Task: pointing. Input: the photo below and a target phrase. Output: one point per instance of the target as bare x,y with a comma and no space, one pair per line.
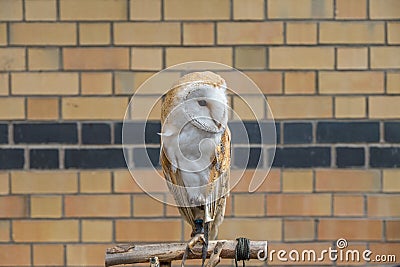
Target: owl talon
198,238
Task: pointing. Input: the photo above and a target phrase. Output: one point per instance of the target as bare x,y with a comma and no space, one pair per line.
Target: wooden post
167,252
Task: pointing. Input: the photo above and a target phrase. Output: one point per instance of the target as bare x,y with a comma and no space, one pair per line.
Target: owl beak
219,125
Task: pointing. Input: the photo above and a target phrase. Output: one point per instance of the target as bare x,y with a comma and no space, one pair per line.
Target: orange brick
250,33
108,58
43,108
3,34
4,80
255,229
299,82
147,230
352,58
300,9
127,83
392,82
97,230
49,255
384,9
250,57
146,206
195,33
12,108
4,231
240,181
15,255
301,58
249,205
11,10
299,230
172,210
243,10
41,10
124,182
267,81
4,183
391,181
43,182
301,33
145,9
146,33
43,33
86,254
392,230
147,82
94,33
13,206
352,33
97,206
146,59
12,59
148,108
45,230
237,82
393,33
299,205
361,229
384,107
350,107
301,107
41,83
46,207
348,205
96,83
297,181
93,10
347,180
249,108
229,206
196,10
95,182
217,54
351,82
90,108
384,205
351,9
44,59
385,57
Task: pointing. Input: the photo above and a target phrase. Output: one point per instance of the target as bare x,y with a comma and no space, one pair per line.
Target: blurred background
330,70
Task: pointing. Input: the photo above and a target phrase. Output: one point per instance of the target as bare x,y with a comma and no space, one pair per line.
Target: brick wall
329,68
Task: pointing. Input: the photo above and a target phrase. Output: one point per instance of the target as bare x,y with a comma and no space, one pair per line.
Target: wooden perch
167,252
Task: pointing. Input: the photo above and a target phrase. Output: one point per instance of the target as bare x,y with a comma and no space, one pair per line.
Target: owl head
199,98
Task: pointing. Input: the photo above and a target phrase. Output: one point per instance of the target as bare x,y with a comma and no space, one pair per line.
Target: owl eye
202,102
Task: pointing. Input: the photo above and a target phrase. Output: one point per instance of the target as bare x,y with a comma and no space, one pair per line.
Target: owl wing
218,185
219,181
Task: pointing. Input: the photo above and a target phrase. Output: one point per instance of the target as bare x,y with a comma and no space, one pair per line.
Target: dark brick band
45,133
11,158
302,157
94,158
301,144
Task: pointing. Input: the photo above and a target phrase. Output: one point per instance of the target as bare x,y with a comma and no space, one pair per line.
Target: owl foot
198,238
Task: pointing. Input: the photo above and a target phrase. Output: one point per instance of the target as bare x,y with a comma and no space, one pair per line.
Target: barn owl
195,152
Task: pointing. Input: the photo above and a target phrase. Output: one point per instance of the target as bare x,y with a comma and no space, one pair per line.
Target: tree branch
167,252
